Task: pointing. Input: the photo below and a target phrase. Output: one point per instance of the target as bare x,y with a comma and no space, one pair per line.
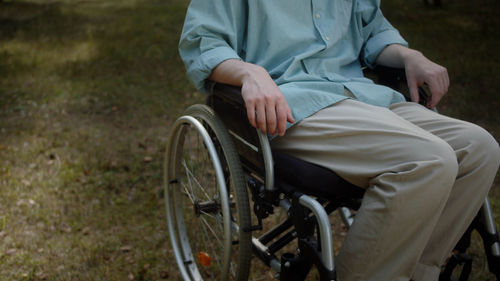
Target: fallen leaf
66,229
11,251
126,248
148,159
130,276
129,260
86,230
41,275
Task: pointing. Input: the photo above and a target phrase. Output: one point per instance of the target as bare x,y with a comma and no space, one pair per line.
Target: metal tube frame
490,225
268,160
324,230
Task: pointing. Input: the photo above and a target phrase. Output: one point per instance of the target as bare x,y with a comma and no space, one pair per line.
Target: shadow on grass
461,36
87,91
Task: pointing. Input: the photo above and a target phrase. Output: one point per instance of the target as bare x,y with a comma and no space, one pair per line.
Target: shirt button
318,16
327,38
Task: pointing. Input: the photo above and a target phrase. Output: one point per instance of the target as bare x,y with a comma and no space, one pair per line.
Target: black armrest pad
394,78
228,93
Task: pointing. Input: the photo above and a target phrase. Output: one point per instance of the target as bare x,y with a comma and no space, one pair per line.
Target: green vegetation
88,90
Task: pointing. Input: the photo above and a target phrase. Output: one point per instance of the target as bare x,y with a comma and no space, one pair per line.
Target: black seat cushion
313,179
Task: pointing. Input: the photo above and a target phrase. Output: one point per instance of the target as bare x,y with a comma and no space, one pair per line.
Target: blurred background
88,90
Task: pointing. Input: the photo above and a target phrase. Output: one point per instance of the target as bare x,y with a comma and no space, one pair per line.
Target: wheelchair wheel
206,199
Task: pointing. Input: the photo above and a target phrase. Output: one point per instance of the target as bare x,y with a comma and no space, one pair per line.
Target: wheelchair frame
307,211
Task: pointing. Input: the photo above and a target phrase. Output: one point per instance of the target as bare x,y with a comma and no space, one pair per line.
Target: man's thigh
359,141
464,137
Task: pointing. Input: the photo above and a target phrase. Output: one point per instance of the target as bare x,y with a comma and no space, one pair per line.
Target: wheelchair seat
315,180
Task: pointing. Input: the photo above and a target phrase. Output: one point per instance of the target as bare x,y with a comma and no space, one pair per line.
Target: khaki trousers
426,176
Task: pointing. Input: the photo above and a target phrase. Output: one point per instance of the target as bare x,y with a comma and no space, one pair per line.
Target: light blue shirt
313,49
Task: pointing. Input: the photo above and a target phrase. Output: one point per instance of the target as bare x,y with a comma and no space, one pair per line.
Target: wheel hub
210,207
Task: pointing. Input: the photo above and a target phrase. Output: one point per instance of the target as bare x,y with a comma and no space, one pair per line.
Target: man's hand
266,106
420,71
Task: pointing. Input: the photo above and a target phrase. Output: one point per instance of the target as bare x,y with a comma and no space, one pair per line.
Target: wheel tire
197,213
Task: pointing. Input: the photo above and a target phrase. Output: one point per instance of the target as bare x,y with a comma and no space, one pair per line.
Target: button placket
316,14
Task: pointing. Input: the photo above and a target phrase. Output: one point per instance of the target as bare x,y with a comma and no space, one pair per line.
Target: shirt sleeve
212,33
377,32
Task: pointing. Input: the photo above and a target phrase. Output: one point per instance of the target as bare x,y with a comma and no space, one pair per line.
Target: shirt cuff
377,43
201,68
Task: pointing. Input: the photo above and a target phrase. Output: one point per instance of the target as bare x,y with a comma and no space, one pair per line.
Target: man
299,65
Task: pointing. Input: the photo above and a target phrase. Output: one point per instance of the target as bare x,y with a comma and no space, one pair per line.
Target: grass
88,90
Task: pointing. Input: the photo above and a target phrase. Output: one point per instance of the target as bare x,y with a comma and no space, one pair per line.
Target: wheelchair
230,198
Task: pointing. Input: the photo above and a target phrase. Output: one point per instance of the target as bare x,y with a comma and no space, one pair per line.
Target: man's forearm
234,72
395,55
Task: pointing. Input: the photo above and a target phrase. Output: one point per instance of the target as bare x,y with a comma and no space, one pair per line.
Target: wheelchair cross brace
306,215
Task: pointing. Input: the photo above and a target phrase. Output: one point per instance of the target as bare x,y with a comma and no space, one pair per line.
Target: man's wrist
252,73
408,55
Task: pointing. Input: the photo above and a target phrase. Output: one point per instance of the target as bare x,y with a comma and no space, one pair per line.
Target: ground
88,90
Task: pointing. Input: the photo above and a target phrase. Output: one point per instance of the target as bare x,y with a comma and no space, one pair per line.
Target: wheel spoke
185,191
205,226
208,215
190,176
212,231
192,197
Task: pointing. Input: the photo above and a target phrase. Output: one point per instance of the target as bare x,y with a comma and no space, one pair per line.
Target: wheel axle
210,207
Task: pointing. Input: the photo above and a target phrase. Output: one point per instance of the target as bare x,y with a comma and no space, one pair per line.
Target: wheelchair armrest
229,93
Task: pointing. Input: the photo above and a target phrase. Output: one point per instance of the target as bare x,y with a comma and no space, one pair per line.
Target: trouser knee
435,174
480,149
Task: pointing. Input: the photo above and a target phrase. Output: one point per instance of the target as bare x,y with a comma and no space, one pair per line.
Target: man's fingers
412,85
289,116
281,113
261,117
251,114
271,118
437,88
